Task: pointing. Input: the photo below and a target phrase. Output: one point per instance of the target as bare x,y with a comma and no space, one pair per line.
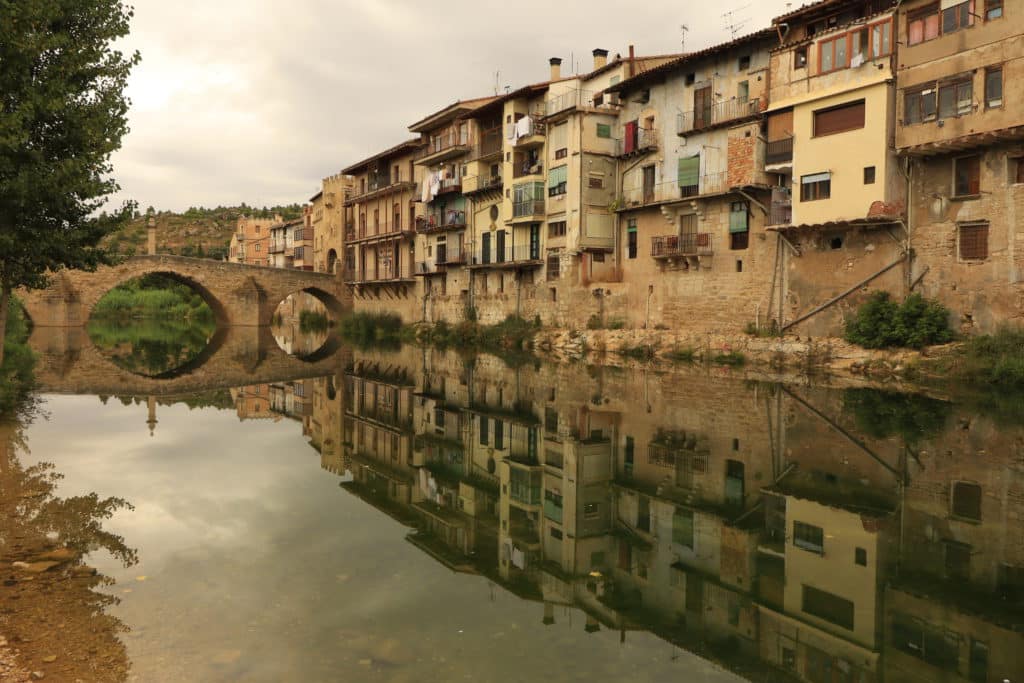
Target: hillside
197,232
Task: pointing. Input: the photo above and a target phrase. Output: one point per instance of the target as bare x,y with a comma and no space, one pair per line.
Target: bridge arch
220,313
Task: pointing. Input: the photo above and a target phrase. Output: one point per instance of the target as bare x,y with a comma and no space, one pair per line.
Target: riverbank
153,297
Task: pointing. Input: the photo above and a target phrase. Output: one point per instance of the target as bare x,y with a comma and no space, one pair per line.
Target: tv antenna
683,28
497,76
734,23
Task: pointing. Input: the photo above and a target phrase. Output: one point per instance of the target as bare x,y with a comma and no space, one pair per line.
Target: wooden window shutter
839,119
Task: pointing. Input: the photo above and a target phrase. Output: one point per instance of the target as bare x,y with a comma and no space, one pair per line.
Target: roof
317,196
448,113
659,71
811,8
400,147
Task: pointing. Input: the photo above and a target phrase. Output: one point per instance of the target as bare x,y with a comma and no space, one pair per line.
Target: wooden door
648,184
702,107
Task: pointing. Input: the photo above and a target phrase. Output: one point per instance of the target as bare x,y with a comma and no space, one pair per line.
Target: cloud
257,101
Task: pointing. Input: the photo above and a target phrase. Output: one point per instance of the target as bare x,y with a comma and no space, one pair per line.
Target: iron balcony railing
453,139
570,99
528,207
436,221
531,128
526,168
520,253
450,185
715,114
276,247
779,151
780,214
637,141
708,184
381,230
689,244
450,255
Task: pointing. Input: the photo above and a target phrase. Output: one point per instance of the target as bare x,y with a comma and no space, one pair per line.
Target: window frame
965,12
861,103
927,93
554,231
800,540
921,15
972,190
989,71
558,189
956,84
993,5
823,187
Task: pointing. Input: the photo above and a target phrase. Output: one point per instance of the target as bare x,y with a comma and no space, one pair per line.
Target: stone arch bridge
240,295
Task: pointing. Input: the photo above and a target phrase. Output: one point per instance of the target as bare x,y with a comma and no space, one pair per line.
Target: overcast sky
256,101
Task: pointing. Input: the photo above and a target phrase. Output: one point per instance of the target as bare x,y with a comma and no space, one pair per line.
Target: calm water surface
416,516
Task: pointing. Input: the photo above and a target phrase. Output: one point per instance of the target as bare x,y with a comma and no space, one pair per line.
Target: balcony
380,231
440,221
526,133
681,246
715,115
780,211
276,247
527,168
489,144
447,145
707,185
379,186
527,210
518,256
450,185
779,152
636,141
446,258
475,183
573,99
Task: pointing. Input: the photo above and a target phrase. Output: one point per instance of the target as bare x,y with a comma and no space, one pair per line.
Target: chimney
600,58
556,68
632,65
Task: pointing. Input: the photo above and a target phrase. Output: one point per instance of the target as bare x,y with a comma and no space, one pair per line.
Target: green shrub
881,323
616,324
882,414
313,321
682,354
734,358
594,322
372,329
995,359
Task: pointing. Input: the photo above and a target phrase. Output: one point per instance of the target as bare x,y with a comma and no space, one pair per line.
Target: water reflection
777,532
48,588
151,347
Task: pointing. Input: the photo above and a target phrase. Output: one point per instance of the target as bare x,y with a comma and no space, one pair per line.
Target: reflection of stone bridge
238,294
236,356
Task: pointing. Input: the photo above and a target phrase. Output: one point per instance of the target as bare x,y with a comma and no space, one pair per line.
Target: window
979,661
689,175
743,91
557,181
691,78
595,181
631,239
815,186
957,17
739,226
958,560
839,119
561,153
918,639
744,64
967,500
604,130
800,57
860,556
881,39
993,9
808,537
919,105
994,87
556,533
966,176
1018,170
832,54
956,98
831,608
682,527
869,175
556,229
591,510
923,24
484,428
973,241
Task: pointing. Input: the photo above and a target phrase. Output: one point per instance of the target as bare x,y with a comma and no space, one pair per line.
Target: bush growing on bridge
881,323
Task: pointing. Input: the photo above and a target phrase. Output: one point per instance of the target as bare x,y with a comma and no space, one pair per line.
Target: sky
256,101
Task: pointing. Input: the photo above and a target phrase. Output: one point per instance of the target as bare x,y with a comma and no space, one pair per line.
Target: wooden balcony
715,115
682,246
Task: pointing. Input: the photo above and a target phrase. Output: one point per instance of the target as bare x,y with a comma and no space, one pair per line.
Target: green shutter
557,176
738,219
689,171
604,130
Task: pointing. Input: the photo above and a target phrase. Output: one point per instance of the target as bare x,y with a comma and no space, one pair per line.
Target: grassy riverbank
153,297
364,330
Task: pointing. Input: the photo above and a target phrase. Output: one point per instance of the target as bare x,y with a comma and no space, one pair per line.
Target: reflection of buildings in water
274,401
287,330
755,525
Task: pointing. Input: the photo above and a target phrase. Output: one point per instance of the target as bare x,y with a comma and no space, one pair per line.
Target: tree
62,113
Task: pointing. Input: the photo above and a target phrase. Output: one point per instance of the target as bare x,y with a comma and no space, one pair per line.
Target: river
420,515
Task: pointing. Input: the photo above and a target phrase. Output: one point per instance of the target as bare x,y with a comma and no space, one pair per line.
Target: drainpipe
910,222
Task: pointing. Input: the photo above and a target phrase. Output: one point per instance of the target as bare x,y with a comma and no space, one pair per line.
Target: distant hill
198,232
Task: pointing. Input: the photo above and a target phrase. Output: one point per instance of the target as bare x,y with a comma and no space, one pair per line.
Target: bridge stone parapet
240,295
